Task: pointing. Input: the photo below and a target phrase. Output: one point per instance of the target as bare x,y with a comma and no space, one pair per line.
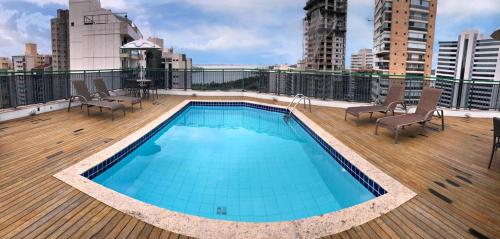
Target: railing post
185,79
324,85
242,81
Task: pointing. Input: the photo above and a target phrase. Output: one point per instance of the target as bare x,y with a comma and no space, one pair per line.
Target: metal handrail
293,104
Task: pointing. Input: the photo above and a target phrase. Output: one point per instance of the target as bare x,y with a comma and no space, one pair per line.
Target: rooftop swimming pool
237,162
237,169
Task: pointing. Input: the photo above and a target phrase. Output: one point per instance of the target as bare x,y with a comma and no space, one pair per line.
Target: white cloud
17,28
463,9
215,38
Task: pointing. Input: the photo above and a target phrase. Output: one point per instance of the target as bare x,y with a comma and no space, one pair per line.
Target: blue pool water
235,163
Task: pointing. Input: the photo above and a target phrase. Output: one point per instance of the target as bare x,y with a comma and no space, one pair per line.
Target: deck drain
78,130
462,172
464,179
440,184
440,196
221,211
54,154
452,182
477,234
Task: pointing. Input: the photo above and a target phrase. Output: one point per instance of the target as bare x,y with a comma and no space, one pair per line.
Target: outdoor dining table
144,85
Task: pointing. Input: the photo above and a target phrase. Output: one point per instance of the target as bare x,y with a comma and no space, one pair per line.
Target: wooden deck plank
33,149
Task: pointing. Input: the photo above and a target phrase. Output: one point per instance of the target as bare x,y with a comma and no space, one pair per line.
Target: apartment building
325,34
96,35
157,41
469,71
60,40
31,59
403,42
177,64
5,63
362,60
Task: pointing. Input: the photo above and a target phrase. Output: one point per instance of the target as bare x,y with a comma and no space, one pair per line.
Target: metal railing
25,88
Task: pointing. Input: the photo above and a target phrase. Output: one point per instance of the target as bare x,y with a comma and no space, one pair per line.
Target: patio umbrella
140,45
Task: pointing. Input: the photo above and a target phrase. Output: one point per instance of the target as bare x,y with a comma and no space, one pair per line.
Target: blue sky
232,31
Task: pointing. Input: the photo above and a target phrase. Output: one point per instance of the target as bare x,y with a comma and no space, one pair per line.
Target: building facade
96,35
403,42
31,59
325,34
468,71
157,41
362,60
404,36
178,65
60,40
5,63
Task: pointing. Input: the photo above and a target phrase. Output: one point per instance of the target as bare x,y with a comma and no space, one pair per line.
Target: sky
233,31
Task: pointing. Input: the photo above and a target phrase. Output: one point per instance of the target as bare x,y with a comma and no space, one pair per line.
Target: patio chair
392,100
102,90
496,138
425,110
84,96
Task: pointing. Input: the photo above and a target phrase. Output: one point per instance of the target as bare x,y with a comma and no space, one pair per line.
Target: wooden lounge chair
425,110
496,138
102,90
394,98
84,96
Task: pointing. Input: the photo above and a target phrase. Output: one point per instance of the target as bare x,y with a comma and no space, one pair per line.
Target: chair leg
69,105
396,137
357,120
123,111
371,115
376,129
345,116
88,111
442,120
492,154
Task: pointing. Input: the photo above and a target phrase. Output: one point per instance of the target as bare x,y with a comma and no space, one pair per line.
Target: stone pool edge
195,226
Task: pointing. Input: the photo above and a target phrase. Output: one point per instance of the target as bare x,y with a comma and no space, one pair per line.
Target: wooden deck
457,196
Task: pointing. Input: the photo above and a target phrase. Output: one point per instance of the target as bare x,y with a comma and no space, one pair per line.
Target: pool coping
196,226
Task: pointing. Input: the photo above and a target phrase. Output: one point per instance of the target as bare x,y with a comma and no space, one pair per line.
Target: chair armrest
80,97
394,105
429,114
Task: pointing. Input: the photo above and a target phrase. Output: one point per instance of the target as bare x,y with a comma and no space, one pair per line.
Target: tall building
473,57
96,35
325,34
404,36
362,61
60,40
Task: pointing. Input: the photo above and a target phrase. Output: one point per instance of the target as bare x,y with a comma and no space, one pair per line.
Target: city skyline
239,32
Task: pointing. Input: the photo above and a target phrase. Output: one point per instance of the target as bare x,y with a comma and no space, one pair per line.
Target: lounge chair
102,90
496,138
84,96
392,100
425,110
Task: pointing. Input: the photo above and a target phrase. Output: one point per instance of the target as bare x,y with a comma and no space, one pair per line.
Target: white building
363,60
472,66
179,65
96,35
